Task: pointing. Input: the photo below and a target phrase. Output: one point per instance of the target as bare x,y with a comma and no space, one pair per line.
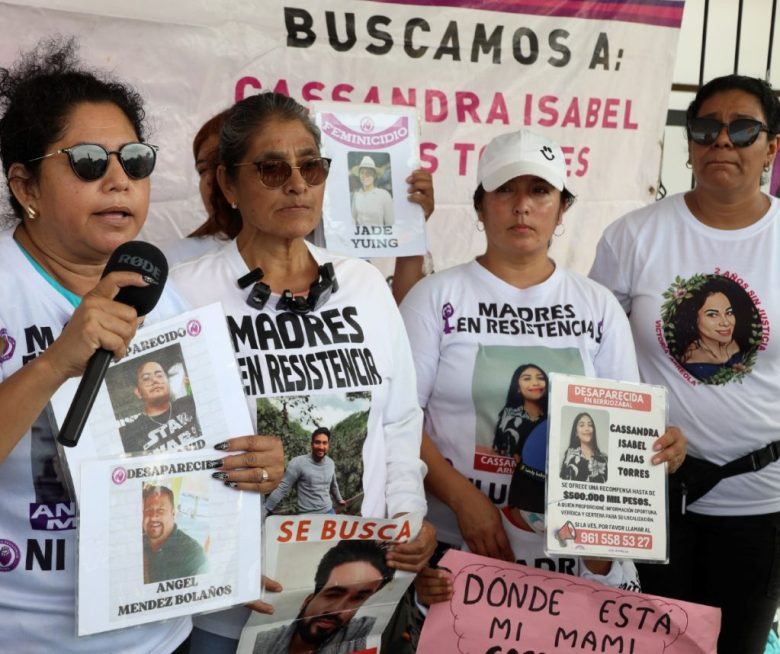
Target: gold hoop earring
32,213
480,226
562,232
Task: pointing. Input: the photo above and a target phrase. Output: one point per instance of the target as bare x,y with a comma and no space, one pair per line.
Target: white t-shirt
280,353
374,207
37,517
660,257
470,331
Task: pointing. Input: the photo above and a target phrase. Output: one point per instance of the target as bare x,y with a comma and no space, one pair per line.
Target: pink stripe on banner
667,13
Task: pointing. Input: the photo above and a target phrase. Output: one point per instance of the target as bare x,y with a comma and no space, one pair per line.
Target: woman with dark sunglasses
305,321
77,169
724,549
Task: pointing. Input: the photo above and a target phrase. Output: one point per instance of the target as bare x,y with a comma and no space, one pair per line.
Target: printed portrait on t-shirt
153,403
585,445
712,327
323,438
371,188
510,388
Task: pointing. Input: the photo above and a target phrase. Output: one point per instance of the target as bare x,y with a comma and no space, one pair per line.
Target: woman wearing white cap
472,325
371,205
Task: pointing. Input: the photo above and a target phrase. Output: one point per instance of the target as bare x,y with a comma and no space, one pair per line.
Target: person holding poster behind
583,460
73,153
302,319
713,253
207,236
471,326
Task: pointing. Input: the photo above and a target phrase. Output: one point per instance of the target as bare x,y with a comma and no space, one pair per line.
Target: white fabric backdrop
192,58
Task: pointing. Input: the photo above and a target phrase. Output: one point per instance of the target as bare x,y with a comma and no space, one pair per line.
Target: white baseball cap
521,153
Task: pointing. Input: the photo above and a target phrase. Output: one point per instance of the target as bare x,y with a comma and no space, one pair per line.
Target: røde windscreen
135,256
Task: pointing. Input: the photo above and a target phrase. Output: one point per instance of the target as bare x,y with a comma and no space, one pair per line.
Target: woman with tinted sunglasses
73,154
307,322
725,231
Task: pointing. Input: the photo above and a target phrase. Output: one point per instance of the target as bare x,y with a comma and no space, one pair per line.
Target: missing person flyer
604,496
373,149
339,593
178,389
159,538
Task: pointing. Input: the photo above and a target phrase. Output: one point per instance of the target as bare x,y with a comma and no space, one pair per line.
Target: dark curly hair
39,92
686,316
243,121
754,86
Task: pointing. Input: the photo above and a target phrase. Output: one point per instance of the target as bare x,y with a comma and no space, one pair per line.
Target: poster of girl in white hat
373,149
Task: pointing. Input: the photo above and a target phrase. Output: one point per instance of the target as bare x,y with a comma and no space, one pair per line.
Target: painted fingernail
219,475
222,446
216,463
151,280
231,484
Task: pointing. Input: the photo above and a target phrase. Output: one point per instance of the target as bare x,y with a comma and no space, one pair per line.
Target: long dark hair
515,399
39,93
574,440
686,316
243,121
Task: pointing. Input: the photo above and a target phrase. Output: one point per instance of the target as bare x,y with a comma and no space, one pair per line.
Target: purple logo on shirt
9,555
193,328
52,516
7,345
447,311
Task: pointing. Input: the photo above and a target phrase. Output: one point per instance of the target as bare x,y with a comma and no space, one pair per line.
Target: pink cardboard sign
507,608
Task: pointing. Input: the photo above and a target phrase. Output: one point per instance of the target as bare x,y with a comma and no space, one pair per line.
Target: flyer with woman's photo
159,538
373,150
604,496
178,389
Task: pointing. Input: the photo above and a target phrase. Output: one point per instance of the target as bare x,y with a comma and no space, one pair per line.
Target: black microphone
135,256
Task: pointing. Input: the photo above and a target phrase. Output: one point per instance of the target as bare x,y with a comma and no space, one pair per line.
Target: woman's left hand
421,190
413,556
259,605
259,467
672,448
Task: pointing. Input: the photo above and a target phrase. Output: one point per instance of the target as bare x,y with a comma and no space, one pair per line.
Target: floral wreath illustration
684,289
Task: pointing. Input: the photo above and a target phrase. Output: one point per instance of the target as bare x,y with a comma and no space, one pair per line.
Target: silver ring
264,475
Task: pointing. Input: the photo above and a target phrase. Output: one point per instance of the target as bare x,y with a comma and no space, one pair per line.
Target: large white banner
593,75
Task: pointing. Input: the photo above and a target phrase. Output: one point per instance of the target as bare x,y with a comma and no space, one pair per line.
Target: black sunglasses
275,172
90,161
742,131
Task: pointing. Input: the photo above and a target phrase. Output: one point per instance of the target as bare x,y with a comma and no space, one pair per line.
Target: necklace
164,422
717,358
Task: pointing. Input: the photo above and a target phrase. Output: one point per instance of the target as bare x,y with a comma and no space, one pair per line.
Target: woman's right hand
98,322
480,525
